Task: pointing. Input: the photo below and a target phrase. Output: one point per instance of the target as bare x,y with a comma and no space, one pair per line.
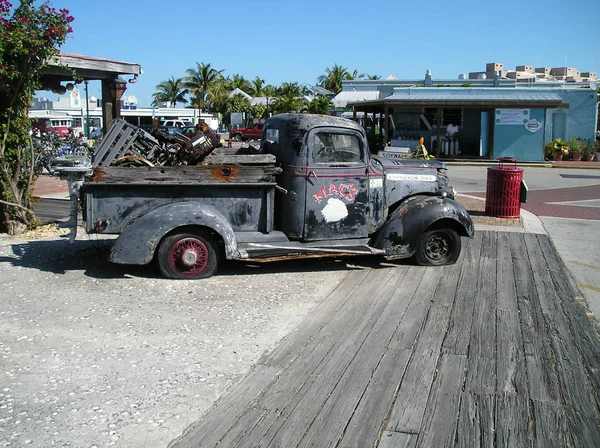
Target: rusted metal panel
416,214
138,241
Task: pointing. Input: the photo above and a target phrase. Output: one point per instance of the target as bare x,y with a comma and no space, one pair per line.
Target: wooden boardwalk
493,351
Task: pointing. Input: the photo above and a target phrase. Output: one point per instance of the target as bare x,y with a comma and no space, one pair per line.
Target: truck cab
336,190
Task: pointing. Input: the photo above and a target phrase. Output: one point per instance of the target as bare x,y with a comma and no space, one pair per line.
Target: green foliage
28,38
286,104
557,145
203,83
320,105
333,77
259,111
237,103
171,91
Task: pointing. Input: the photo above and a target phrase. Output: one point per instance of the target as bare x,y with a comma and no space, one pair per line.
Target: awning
463,97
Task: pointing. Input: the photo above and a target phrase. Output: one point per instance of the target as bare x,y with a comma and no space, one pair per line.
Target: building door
559,125
484,137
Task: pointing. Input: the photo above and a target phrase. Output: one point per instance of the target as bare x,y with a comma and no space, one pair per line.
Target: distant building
497,116
43,109
528,73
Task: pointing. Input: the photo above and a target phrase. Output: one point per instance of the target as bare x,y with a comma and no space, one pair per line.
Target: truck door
337,185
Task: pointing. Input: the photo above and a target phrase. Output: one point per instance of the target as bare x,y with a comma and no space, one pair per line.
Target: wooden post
439,125
386,126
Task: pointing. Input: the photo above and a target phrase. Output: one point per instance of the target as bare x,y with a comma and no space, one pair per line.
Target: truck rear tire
437,247
188,256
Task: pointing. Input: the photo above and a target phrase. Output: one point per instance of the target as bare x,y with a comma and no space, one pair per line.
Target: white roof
237,91
349,96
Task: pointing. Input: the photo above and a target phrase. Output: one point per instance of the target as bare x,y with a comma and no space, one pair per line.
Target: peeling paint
335,210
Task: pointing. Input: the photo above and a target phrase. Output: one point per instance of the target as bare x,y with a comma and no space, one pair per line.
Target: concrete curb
531,223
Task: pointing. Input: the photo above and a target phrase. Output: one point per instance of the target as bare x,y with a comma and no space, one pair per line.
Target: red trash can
503,190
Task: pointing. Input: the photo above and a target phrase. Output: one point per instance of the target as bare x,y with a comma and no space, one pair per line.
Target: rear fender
415,215
138,241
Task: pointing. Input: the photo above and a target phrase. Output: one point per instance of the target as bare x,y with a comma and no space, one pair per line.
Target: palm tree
201,82
371,77
333,77
270,90
287,103
239,82
257,87
290,88
171,91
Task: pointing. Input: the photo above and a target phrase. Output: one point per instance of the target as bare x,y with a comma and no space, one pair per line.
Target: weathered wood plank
413,317
459,327
440,421
366,421
294,343
481,363
227,411
251,418
514,426
511,371
543,381
331,336
550,426
391,439
506,297
179,174
329,426
409,408
216,158
577,395
303,388
476,420
584,332
330,423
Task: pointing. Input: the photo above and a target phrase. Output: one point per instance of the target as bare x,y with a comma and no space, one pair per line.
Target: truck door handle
312,173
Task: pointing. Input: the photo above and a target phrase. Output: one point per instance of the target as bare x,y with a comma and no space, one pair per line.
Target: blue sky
296,40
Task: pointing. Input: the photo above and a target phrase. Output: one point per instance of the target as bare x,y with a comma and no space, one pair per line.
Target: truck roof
304,122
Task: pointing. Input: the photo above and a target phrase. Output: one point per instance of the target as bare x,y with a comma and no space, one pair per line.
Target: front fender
398,235
138,241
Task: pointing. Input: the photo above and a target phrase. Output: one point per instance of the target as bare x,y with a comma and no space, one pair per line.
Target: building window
453,116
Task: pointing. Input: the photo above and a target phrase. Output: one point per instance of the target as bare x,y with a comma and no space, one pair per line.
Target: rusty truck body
312,190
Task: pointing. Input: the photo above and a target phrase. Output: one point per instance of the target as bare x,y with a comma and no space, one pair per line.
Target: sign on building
512,116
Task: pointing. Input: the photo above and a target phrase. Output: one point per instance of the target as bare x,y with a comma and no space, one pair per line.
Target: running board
273,252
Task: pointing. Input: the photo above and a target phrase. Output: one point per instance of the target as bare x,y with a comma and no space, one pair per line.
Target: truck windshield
334,147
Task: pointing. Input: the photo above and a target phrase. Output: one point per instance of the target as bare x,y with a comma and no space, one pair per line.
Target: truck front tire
188,256
437,247
238,137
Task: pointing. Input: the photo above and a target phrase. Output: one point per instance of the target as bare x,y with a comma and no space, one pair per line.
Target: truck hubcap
189,255
437,247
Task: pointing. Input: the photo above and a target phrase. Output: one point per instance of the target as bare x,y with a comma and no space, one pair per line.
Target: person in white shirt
451,131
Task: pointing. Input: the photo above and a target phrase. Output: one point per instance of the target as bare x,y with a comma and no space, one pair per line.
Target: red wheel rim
189,256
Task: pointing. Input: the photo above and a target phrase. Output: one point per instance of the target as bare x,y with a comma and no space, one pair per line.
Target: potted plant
589,152
557,149
576,148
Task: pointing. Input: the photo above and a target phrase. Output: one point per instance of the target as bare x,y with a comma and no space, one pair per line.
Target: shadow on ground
91,256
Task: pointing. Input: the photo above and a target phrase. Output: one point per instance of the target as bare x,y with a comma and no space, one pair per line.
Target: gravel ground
95,354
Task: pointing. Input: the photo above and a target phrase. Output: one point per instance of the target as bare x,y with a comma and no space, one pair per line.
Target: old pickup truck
313,189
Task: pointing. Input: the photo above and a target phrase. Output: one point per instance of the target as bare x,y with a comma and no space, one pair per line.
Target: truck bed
241,189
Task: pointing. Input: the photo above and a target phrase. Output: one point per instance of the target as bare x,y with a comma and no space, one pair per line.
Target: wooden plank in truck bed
187,174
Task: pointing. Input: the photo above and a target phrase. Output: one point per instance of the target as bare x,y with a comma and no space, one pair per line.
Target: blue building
495,117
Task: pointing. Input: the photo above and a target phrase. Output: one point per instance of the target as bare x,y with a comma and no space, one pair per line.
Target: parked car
252,132
176,123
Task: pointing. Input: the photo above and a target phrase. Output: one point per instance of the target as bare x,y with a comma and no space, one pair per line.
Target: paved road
567,201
